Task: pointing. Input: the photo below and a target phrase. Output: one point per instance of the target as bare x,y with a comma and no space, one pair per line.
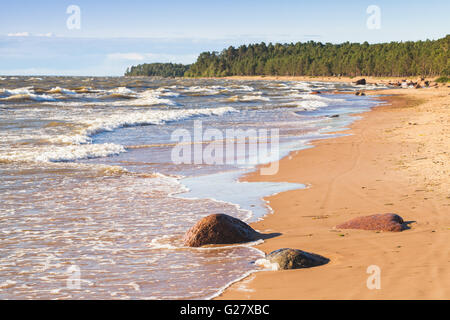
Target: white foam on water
149,117
23,90
220,247
312,102
80,147
254,98
267,265
310,105
7,284
224,186
61,90
206,91
29,96
25,93
122,90
146,98
164,92
62,153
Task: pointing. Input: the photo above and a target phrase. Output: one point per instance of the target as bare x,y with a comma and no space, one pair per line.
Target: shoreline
341,79
369,171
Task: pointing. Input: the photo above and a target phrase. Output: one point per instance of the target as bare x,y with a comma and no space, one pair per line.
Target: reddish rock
315,92
219,229
382,222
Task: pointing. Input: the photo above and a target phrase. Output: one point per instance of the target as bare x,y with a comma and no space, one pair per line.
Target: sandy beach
394,160
369,79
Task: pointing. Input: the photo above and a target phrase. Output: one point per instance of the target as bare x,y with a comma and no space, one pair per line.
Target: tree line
158,69
410,58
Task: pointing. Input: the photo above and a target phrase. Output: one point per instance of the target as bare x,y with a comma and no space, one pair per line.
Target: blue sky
34,37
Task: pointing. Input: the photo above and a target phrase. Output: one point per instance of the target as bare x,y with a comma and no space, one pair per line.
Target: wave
248,98
204,91
254,98
122,90
245,88
61,91
10,92
147,98
28,96
119,120
63,153
79,142
91,97
310,102
150,117
21,94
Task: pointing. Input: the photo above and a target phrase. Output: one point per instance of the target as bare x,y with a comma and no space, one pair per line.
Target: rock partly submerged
287,258
381,222
220,229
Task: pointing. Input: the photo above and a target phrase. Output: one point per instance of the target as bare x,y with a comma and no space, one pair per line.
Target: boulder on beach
360,82
381,222
287,258
219,229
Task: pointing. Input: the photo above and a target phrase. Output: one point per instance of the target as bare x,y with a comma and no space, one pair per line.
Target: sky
103,38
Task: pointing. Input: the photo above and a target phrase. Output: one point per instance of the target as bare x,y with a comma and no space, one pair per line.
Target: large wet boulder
360,82
287,258
381,222
219,229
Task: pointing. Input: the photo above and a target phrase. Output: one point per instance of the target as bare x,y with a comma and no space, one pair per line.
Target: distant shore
395,160
369,79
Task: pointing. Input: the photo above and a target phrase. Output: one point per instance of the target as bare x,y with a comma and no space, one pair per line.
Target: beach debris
381,222
360,81
287,258
360,93
315,92
219,229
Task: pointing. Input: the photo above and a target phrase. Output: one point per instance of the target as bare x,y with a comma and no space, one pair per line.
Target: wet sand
395,160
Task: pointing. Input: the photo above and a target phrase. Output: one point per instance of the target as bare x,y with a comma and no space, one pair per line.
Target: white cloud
152,57
48,34
19,34
27,34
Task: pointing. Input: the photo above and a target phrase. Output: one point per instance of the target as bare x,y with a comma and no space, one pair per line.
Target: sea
94,200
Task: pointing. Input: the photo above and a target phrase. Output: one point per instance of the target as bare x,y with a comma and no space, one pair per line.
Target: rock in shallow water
381,222
287,258
219,229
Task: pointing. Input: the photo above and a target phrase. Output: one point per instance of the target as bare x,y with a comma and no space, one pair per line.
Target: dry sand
369,79
395,160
